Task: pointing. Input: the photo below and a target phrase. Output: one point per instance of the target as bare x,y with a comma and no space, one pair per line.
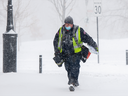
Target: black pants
72,66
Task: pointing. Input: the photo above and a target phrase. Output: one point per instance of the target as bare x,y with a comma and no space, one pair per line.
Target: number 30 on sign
97,7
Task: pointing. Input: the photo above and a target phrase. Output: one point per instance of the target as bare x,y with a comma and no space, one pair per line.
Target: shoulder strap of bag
62,32
74,35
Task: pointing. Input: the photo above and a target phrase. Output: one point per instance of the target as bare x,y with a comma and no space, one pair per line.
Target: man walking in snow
69,48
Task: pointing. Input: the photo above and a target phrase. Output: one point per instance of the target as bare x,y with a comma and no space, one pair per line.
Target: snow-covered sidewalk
55,84
109,78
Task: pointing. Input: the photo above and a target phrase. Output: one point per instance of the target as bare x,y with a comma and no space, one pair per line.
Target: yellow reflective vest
77,46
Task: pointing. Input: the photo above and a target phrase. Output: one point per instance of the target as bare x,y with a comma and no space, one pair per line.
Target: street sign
97,7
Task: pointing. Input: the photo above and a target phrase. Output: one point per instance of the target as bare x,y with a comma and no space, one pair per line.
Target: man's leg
75,66
67,67
72,66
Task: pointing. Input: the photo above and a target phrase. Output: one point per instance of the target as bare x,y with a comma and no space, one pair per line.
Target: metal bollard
40,63
126,57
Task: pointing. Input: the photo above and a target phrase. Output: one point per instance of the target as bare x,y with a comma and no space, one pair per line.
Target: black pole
9,43
98,39
126,57
40,64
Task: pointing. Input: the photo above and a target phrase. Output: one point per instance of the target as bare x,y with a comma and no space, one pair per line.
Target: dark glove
58,59
84,53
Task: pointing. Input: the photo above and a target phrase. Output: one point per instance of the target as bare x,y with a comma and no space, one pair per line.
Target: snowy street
33,32
109,78
56,84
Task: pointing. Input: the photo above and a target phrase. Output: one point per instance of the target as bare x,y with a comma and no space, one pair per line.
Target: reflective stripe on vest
60,40
77,48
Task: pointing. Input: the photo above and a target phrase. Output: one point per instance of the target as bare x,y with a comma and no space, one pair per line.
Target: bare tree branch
61,8
72,7
69,4
4,7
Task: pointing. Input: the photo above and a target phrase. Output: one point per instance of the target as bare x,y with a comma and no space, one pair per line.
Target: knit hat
68,20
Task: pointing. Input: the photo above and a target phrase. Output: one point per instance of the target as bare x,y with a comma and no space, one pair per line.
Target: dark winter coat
67,44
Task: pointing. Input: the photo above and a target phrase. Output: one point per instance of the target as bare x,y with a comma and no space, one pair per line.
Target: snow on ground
108,78
56,85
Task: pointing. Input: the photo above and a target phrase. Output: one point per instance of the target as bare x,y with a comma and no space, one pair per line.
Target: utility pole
9,43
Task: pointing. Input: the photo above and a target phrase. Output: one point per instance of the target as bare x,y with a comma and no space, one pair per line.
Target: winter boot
76,83
71,81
